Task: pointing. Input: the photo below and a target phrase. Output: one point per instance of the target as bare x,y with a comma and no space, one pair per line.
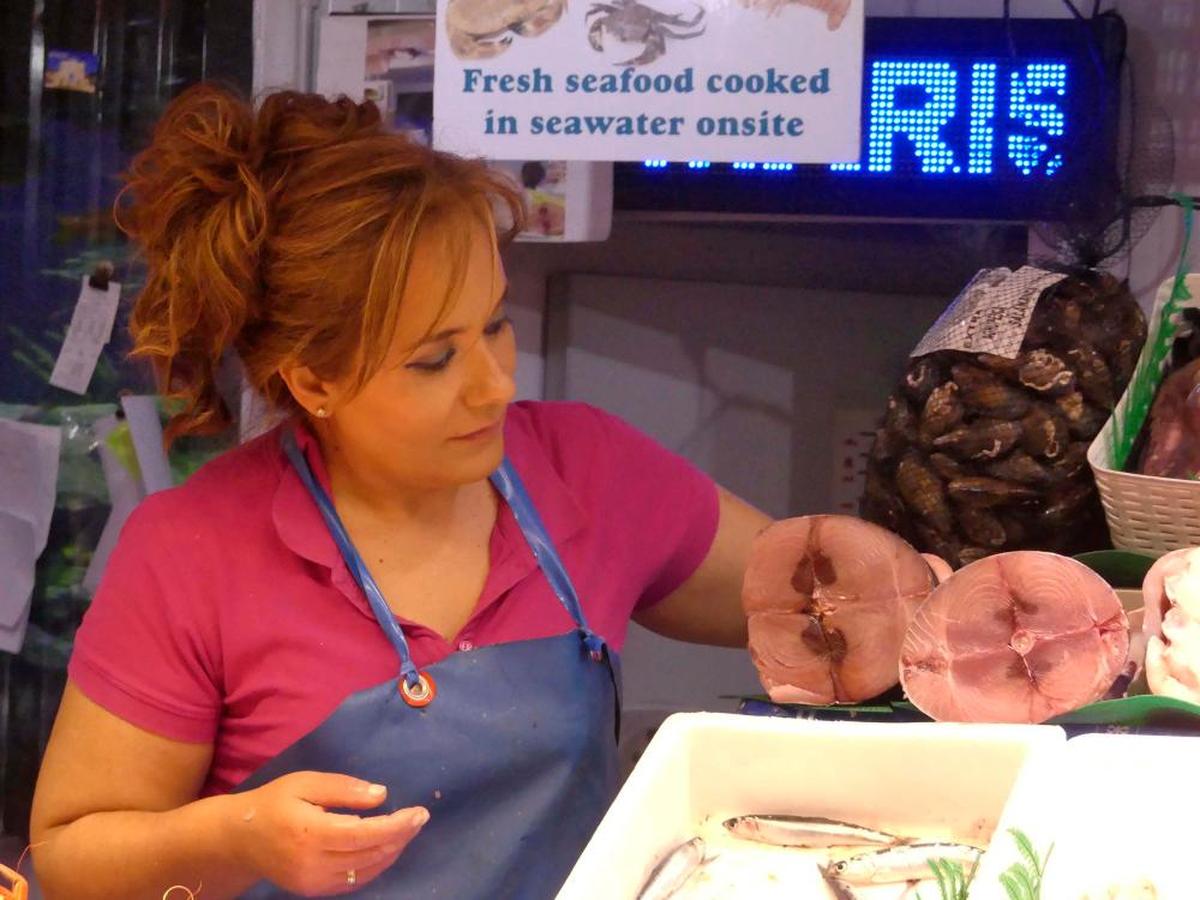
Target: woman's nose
491,379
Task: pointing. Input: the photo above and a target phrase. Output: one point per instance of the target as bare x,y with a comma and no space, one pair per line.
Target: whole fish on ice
806,831
673,870
906,862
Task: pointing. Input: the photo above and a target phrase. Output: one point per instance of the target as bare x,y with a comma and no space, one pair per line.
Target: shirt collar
301,528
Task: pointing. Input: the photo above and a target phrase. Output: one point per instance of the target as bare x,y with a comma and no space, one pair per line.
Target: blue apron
514,754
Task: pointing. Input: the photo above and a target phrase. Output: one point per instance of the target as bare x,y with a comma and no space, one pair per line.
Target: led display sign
977,118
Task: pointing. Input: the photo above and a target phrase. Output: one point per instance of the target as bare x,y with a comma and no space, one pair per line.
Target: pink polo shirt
226,614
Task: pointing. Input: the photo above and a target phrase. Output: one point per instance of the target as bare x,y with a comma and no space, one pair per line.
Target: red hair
286,234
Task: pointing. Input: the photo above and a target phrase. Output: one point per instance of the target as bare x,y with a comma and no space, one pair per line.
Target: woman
375,649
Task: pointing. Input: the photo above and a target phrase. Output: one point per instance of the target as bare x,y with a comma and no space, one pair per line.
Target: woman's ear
313,393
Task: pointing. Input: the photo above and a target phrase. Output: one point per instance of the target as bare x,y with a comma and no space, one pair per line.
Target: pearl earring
322,412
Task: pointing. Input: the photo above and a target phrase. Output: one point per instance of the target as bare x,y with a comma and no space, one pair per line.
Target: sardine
906,862
807,831
669,875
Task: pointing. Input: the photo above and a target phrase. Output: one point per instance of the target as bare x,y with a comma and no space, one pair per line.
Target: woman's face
433,415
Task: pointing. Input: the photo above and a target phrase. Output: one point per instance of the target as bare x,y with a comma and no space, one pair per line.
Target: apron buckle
421,694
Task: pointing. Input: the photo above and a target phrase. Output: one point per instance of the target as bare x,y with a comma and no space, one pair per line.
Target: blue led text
916,104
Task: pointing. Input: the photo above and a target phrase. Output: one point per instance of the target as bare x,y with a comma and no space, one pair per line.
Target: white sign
716,80
389,60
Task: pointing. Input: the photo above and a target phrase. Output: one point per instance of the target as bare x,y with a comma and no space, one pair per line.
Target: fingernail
376,790
420,817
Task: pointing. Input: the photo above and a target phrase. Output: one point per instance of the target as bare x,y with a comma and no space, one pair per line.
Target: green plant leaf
943,888
1025,846
1011,887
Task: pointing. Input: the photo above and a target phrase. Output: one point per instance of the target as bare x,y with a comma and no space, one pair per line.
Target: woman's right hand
283,832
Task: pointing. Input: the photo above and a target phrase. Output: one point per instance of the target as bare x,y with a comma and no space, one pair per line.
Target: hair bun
195,205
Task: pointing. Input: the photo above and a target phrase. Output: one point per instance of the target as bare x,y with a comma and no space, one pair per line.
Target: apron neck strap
354,561
506,480
510,487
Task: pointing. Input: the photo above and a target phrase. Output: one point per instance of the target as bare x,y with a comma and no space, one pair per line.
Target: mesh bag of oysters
983,444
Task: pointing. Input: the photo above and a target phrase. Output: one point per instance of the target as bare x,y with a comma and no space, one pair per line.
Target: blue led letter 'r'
914,99
1033,103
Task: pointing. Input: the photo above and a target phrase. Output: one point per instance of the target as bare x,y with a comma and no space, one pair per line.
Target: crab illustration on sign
835,10
481,29
631,22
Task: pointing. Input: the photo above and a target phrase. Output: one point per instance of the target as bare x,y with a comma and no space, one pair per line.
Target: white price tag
992,313
90,329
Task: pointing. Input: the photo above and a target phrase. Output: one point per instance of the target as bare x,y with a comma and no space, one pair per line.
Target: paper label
145,428
991,314
29,476
90,329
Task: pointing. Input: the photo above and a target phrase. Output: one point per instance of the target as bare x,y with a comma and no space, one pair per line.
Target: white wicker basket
1145,513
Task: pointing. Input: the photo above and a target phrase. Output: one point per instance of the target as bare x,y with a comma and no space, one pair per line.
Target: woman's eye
433,365
496,327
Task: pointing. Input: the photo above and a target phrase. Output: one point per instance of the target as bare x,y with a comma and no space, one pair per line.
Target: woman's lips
485,432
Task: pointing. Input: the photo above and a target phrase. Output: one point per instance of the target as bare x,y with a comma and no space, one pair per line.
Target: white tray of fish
742,806
1110,817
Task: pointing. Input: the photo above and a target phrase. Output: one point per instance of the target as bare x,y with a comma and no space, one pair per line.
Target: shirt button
465,646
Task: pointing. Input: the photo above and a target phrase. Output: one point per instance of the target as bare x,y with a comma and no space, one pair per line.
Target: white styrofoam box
942,781
1116,808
